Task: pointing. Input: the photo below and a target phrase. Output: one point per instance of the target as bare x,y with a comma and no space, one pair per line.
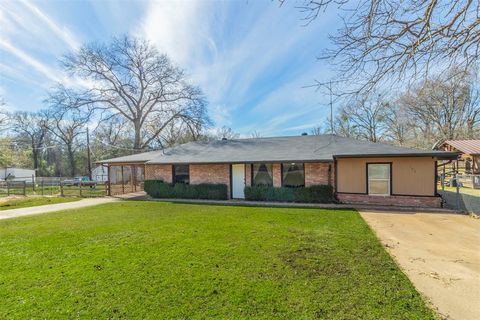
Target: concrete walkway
13,213
440,253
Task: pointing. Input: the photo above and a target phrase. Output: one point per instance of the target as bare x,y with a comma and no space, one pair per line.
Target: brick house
360,171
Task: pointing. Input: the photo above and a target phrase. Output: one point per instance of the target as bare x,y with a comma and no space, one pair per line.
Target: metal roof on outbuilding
275,149
466,146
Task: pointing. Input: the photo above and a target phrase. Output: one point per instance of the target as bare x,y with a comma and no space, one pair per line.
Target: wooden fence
53,186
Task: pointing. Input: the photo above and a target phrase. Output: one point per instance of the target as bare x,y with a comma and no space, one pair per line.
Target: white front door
238,181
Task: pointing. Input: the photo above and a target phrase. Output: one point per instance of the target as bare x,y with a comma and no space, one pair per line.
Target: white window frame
389,179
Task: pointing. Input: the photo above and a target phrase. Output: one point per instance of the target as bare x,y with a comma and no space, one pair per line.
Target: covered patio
125,178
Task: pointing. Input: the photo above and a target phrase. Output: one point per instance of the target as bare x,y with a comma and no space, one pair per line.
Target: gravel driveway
440,253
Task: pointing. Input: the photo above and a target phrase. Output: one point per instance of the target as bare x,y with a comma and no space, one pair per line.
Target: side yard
149,260
469,199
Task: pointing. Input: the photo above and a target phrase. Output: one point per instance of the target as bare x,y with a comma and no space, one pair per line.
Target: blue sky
251,58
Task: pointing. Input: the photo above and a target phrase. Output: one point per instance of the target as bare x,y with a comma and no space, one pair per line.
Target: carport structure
125,178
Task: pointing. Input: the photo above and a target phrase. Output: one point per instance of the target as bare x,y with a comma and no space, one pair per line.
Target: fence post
80,186
33,182
61,188
43,187
24,188
458,191
8,189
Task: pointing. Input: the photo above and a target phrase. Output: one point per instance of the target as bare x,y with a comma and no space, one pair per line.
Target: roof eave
439,155
241,161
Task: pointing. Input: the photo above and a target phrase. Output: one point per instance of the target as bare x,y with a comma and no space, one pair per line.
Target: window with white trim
379,179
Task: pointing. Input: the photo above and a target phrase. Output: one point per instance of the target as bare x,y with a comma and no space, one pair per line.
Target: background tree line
125,97
444,106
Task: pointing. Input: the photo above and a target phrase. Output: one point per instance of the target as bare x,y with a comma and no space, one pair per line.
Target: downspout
335,179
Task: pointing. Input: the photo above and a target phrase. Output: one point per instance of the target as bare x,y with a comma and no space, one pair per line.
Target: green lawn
33,202
177,261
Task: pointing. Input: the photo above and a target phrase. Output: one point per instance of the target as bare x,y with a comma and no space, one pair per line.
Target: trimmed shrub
257,193
160,189
312,194
317,193
281,194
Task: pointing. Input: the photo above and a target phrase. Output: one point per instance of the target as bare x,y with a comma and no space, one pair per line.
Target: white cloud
220,115
179,29
20,73
31,61
228,53
278,123
61,32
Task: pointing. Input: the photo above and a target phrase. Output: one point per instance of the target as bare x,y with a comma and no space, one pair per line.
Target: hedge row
312,194
160,189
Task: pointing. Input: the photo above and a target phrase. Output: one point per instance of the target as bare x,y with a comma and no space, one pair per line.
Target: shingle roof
276,149
139,157
465,146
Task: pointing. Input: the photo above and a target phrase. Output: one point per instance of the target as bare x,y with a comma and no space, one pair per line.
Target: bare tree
4,117
364,118
343,126
33,126
67,125
112,138
397,123
445,106
226,133
255,134
472,112
130,78
381,40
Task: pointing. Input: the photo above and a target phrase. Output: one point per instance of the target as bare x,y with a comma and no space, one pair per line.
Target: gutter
440,155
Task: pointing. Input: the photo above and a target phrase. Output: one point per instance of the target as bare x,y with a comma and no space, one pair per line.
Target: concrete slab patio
439,252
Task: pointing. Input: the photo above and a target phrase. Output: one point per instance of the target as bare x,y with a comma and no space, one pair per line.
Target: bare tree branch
383,41
130,78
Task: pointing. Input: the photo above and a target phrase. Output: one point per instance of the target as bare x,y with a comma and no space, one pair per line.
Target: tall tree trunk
35,160
71,158
34,155
137,146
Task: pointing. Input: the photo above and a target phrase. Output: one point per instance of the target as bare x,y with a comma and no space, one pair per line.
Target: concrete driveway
440,253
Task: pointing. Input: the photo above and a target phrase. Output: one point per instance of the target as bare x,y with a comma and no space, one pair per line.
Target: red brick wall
158,172
277,174
317,173
248,174
400,201
210,173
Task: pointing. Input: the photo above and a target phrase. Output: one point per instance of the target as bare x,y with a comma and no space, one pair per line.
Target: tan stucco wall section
410,175
158,172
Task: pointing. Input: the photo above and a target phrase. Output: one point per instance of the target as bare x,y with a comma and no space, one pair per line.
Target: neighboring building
469,160
100,173
360,171
17,174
